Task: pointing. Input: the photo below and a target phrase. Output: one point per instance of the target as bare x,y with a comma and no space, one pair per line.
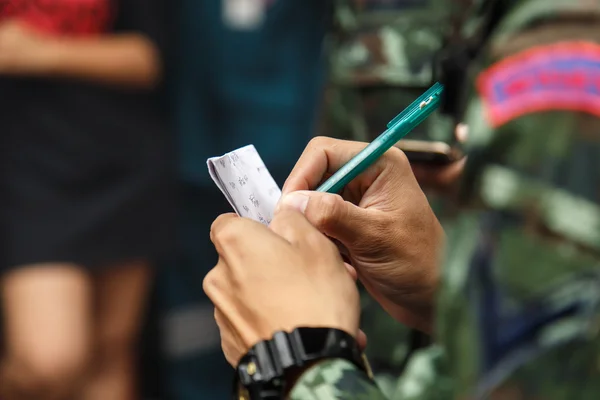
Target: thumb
329,213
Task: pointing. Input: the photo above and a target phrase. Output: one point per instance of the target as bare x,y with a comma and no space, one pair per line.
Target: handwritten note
246,183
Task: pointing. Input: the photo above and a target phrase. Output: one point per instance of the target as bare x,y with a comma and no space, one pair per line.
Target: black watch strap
261,372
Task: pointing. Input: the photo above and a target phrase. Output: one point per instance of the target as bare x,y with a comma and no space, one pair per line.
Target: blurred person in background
247,72
85,192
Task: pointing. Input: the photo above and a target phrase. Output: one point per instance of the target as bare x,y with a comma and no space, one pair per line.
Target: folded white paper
246,183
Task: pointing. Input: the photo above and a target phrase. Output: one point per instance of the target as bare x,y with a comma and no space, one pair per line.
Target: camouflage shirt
381,56
518,312
386,42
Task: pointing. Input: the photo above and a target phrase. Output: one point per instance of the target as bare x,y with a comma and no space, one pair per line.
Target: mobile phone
428,152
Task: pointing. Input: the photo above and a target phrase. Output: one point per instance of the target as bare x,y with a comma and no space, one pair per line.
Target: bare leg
120,295
47,332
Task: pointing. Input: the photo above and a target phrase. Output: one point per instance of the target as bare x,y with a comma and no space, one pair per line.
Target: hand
443,178
22,51
382,218
276,279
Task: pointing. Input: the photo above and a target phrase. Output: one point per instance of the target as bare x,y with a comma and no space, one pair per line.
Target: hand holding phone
437,165
431,153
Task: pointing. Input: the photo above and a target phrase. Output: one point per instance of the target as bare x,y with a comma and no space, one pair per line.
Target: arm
424,378
125,59
335,379
120,59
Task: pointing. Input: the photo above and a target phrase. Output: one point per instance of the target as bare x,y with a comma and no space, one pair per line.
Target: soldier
519,292
382,56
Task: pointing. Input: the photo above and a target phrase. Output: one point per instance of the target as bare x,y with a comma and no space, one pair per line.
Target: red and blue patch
561,76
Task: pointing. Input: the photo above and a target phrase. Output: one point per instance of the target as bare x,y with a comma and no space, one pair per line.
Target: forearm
128,60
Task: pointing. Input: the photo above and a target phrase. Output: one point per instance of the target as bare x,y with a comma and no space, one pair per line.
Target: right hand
382,218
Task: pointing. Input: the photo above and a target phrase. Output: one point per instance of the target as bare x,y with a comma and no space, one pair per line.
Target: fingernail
296,201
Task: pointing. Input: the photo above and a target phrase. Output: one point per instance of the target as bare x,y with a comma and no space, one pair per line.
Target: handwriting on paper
246,183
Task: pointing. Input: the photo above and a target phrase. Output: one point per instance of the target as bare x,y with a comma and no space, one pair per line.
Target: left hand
445,178
276,279
23,51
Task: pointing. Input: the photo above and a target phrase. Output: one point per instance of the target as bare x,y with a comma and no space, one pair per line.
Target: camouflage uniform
381,59
519,305
372,78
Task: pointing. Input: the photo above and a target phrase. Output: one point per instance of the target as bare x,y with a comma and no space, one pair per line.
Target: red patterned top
62,17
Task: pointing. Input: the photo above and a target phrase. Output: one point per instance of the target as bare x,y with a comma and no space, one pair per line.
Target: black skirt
86,175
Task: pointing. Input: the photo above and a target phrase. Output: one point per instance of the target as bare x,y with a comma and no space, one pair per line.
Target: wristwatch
261,373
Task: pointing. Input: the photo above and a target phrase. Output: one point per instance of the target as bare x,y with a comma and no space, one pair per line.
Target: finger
232,345
322,156
440,177
292,226
428,175
453,172
221,290
352,271
461,132
330,214
223,333
221,221
218,289
215,281
238,238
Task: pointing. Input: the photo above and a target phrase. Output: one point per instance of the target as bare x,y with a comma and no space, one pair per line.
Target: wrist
272,367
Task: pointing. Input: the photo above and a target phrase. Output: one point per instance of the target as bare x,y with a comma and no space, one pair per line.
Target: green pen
397,128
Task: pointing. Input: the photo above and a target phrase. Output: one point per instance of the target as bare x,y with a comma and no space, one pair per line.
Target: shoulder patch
560,76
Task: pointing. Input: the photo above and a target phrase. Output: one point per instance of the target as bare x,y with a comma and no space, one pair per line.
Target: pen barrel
399,127
359,163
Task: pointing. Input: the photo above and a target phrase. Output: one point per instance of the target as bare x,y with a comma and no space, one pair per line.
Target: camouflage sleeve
335,380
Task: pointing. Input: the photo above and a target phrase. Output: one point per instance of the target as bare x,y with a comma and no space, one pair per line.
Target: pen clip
426,99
